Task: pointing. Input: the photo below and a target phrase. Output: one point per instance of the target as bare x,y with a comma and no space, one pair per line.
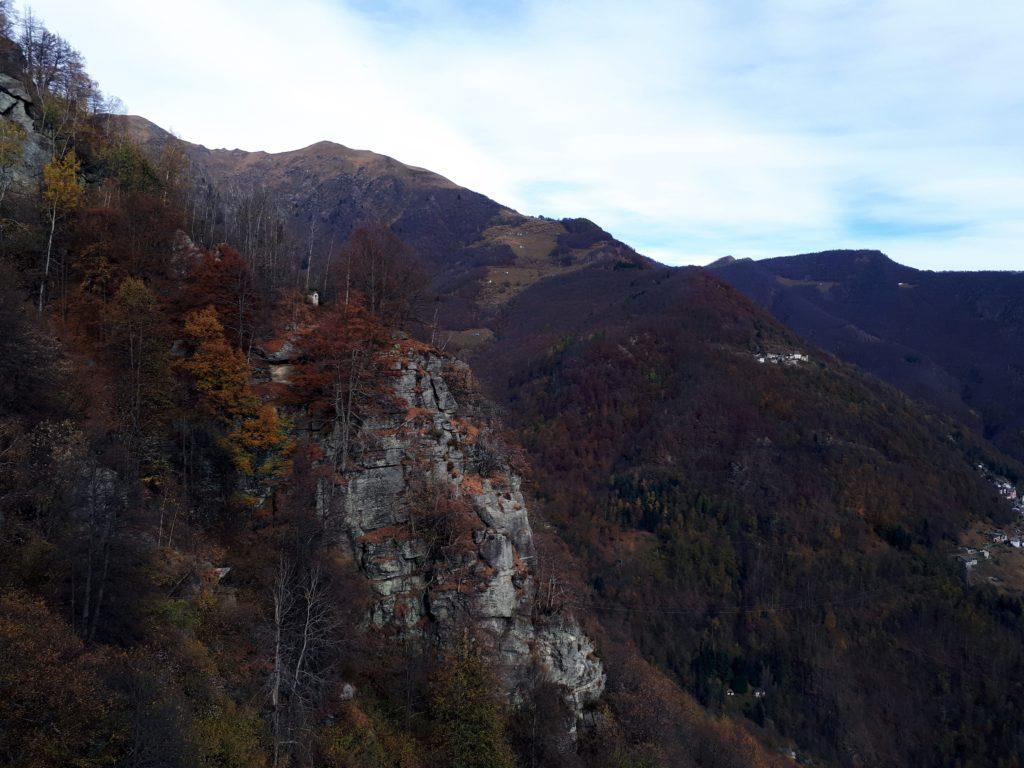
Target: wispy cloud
690,128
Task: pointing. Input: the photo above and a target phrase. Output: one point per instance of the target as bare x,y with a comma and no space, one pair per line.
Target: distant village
782,358
1013,536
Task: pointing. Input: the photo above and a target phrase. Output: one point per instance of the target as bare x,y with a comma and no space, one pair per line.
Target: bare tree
8,18
378,264
304,622
62,193
283,600
101,499
12,146
59,82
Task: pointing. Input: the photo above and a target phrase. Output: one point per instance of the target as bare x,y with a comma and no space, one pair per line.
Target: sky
691,129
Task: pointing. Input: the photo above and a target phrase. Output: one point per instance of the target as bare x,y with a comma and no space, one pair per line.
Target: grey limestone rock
429,581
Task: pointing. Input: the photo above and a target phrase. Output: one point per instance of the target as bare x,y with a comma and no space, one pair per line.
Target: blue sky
691,129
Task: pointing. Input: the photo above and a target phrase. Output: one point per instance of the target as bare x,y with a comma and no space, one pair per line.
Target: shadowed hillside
480,254
254,513
246,519
762,520
955,339
753,515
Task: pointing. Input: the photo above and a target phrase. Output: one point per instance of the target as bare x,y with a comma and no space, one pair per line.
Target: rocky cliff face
435,517
17,109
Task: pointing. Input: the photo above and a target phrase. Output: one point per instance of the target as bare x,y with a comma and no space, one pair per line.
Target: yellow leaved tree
256,437
62,193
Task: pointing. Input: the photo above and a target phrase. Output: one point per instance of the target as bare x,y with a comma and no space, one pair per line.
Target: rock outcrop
436,520
17,109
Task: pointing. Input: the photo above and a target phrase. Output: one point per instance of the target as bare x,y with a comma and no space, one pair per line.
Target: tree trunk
280,609
49,251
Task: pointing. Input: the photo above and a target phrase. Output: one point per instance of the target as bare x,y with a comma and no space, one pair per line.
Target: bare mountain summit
480,254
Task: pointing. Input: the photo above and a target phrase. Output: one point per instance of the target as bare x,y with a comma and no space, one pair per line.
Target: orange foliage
341,362
257,438
221,373
473,484
222,279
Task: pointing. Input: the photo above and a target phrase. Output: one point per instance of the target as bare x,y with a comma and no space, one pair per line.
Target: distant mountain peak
840,266
727,260
847,256
941,336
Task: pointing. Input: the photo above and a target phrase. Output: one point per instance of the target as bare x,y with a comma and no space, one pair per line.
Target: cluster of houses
1004,488
782,358
1009,492
970,557
1014,538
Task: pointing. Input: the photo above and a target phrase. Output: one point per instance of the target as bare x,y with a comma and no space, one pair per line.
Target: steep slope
772,529
954,339
187,575
434,517
256,600
479,254
762,520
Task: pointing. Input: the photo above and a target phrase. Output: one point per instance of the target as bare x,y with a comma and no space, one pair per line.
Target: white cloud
690,128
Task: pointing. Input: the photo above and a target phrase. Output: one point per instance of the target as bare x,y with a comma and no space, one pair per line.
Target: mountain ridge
603,349
479,253
316,526
145,132
950,338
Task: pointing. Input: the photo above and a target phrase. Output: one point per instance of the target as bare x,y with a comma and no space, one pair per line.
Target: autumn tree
376,263
230,736
138,343
12,146
222,279
54,708
338,377
172,168
125,161
131,217
62,192
468,713
255,436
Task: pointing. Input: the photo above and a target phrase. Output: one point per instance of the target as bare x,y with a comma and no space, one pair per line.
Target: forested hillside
763,521
253,512
478,254
953,339
245,518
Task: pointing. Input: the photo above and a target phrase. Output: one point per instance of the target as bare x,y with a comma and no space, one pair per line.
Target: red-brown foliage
224,280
